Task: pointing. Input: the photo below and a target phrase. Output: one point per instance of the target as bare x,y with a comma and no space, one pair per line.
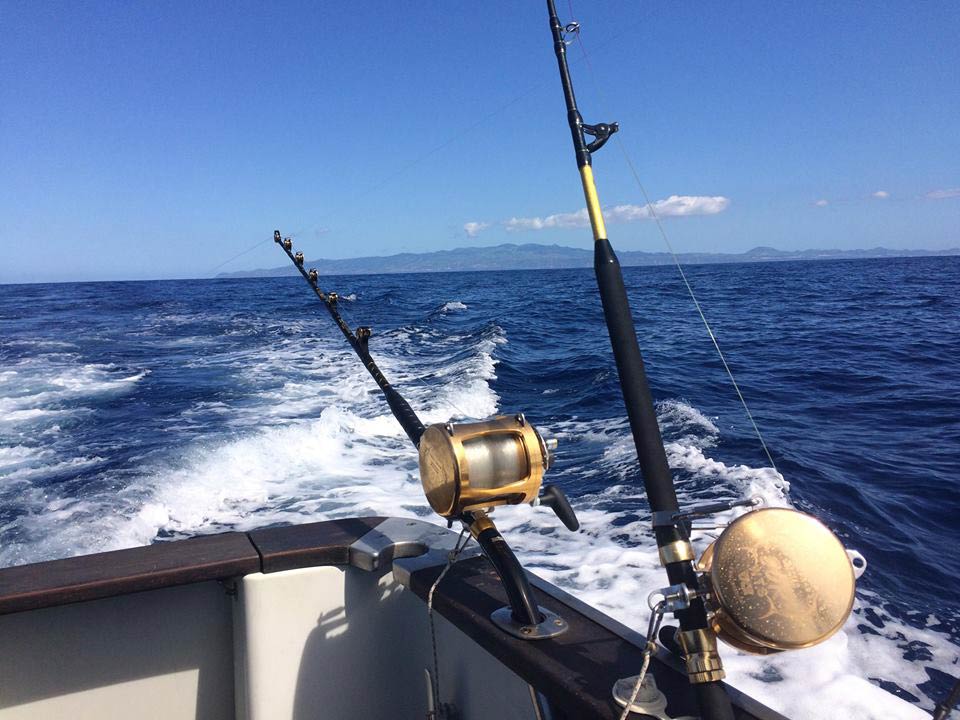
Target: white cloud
822,203
673,206
881,194
560,220
944,194
472,229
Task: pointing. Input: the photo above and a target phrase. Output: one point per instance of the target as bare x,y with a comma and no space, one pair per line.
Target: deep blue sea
132,412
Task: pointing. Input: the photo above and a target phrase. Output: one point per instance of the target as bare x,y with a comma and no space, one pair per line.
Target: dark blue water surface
143,410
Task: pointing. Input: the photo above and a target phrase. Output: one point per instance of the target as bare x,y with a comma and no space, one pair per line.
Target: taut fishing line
673,254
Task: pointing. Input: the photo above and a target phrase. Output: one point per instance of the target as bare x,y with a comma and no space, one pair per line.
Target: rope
438,711
652,629
676,260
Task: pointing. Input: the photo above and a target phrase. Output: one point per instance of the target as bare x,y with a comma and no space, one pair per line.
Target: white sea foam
38,386
454,305
36,396
46,470
43,389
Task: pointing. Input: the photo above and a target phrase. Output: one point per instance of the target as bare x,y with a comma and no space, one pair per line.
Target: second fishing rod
467,469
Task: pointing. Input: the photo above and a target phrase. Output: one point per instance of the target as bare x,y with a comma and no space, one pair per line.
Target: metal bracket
649,700
672,599
672,518
412,545
397,538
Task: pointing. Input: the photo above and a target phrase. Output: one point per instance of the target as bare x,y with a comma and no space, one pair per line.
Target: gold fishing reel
473,466
778,579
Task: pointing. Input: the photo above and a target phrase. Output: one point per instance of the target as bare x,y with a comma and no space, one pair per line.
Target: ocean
138,412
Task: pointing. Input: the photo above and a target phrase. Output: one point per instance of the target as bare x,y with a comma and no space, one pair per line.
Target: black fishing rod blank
468,468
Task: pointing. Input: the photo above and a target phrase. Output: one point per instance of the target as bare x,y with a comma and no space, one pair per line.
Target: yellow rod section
593,203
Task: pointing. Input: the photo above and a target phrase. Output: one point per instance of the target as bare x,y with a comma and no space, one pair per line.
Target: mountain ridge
533,256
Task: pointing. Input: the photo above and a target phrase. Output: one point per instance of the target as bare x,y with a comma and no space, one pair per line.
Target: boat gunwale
222,557
575,670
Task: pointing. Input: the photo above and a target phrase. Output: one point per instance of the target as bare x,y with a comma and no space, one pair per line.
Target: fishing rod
770,563
466,469
676,553
359,341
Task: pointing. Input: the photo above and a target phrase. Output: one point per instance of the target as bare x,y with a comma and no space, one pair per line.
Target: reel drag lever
555,499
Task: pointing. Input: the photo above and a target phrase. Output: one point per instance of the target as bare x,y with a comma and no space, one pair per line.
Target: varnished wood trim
312,544
88,577
180,562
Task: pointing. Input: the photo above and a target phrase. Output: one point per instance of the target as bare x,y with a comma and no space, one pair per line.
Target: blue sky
159,139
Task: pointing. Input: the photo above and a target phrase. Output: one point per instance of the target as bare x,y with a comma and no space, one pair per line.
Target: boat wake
307,438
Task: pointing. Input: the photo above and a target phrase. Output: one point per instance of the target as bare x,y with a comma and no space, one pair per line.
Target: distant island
544,257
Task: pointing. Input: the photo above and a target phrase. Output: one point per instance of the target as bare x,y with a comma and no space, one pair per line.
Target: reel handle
555,499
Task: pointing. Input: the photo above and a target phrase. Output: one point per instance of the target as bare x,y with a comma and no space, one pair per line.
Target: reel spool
472,466
779,580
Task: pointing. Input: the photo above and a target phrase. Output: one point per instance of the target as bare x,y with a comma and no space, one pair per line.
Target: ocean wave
41,384
454,306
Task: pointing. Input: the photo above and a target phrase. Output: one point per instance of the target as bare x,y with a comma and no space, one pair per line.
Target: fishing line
241,254
249,249
673,254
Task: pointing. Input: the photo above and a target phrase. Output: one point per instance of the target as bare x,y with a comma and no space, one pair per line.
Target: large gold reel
779,580
471,466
